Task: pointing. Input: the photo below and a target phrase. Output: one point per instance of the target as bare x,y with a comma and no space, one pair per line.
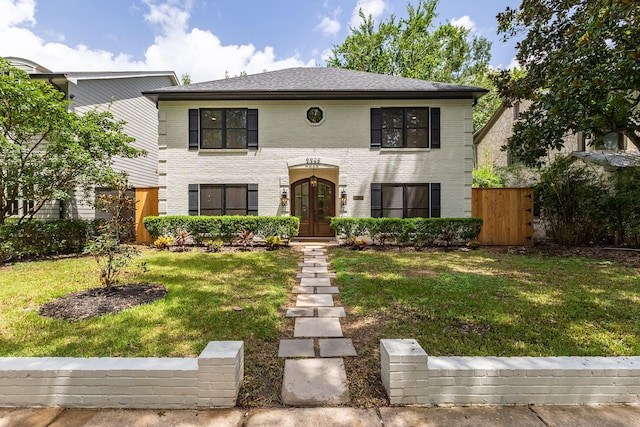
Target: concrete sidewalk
535,416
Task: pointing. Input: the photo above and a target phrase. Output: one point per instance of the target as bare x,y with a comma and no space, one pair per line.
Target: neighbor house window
223,199
223,128
405,200
408,127
612,141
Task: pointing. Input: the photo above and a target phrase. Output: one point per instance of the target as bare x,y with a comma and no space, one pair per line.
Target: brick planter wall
411,377
211,380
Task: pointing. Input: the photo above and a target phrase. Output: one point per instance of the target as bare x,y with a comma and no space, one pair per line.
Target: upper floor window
223,128
408,127
613,141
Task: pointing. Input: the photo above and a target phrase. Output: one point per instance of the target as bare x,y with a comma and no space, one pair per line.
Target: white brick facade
340,145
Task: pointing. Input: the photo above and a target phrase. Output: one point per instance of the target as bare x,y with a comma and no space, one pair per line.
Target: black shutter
376,127
435,128
194,134
376,200
252,199
435,200
252,129
193,199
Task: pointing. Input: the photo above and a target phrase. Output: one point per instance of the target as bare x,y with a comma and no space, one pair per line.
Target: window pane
236,200
211,119
236,119
417,197
325,210
611,141
392,118
211,138
392,213
418,118
237,138
417,213
392,197
301,201
417,138
210,200
391,138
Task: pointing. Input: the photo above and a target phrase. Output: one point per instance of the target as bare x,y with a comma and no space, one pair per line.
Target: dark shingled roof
316,83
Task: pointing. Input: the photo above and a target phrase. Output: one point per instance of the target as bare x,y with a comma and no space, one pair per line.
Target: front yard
485,302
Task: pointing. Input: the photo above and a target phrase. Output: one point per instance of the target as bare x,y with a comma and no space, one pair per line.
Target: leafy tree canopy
414,47
581,62
46,151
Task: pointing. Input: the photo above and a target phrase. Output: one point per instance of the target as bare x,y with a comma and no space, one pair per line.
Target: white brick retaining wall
211,380
411,377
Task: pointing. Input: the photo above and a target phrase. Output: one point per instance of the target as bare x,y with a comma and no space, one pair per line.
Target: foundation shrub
226,228
37,239
416,231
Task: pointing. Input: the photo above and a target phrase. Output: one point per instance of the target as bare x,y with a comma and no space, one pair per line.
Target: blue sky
208,38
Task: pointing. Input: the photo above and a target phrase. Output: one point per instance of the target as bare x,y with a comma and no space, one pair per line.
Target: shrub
37,239
225,228
485,177
273,242
111,256
417,231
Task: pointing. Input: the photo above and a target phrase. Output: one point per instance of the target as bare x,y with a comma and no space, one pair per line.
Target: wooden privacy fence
507,215
146,205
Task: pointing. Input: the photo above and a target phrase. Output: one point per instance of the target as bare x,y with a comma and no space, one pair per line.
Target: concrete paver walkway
321,379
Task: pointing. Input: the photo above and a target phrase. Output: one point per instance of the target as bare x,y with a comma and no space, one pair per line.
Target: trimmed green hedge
417,231
36,239
226,228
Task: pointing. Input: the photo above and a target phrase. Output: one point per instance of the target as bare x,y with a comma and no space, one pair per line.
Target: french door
314,205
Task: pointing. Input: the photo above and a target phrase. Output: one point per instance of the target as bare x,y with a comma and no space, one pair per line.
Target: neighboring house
121,92
316,143
489,140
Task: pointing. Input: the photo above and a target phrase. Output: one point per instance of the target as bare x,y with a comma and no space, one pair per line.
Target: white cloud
375,8
465,22
329,26
17,12
176,47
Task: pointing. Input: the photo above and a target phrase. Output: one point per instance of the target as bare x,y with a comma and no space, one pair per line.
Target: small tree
111,255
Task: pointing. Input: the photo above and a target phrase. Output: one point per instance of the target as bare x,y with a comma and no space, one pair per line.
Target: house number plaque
313,161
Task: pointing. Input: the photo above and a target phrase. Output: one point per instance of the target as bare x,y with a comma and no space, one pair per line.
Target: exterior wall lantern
284,198
343,197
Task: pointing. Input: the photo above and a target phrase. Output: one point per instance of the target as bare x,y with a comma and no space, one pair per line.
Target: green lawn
203,289
491,304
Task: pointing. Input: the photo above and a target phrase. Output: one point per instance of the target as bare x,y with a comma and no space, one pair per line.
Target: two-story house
316,143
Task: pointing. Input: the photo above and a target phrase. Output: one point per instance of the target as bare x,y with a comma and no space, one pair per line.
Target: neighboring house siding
499,129
342,140
124,95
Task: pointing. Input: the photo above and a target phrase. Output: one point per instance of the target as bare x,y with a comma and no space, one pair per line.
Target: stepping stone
314,253
313,247
315,270
327,290
314,264
300,312
317,327
296,348
314,382
336,347
314,300
331,312
315,281
324,274
304,290
303,275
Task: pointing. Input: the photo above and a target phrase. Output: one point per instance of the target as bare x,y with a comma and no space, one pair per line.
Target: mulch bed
99,301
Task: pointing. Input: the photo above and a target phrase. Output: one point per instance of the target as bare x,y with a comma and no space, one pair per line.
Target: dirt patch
99,301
